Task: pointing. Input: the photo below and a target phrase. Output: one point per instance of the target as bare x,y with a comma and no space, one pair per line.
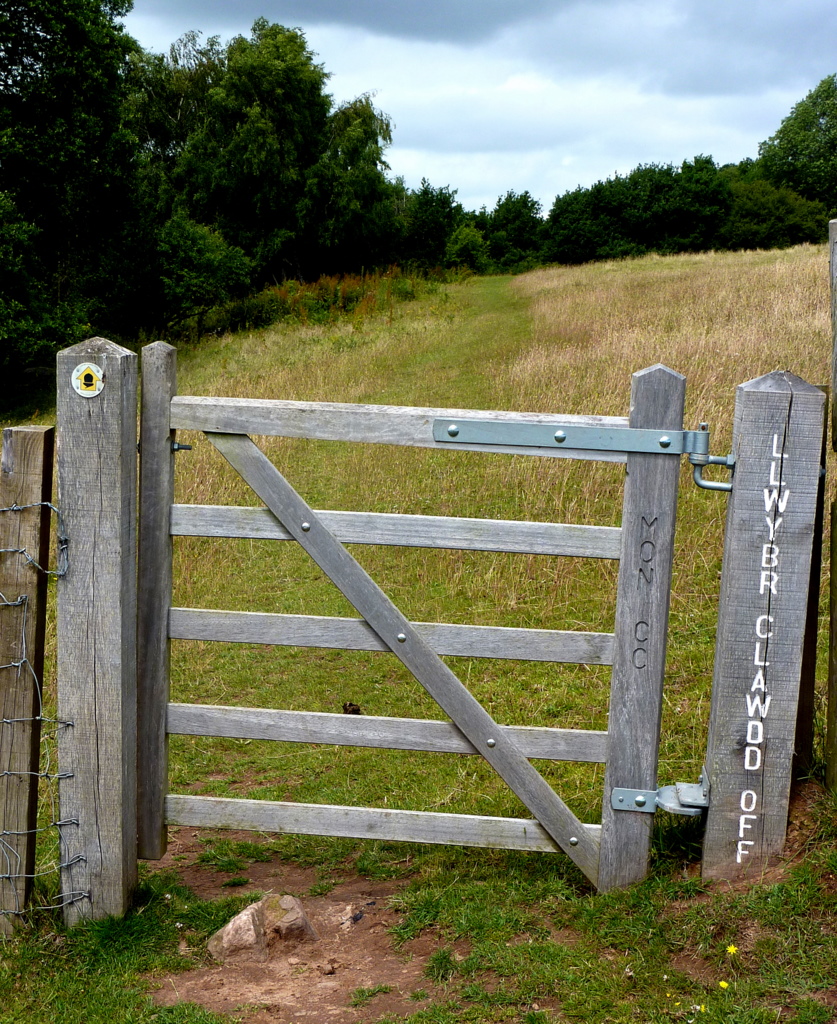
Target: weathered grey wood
374,731
376,424
777,442
445,688
406,531
831,711
642,604
803,760
832,266
25,479
97,439
364,823
357,635
154,588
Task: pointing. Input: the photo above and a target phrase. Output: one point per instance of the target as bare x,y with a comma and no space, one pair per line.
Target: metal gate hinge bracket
686,798
522,434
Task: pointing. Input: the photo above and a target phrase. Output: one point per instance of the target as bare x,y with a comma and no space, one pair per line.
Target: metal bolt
306,527
640,800
621,799
491,743
665,441
401,638
453,430
573,841
560,436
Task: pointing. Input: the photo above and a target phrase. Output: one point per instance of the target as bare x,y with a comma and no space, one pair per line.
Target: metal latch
686,798
522,434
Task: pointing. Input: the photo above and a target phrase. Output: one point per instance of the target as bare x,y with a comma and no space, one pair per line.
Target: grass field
561,340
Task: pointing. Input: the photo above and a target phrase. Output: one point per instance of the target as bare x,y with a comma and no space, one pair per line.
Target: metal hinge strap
685,798
570,435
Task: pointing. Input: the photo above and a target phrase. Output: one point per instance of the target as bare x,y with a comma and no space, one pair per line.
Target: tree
513,230
467,248
350,208
431,216
802,154
65,170
244,168
654,208
766,217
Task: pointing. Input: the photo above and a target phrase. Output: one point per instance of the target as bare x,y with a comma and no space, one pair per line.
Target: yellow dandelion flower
723,984
732,950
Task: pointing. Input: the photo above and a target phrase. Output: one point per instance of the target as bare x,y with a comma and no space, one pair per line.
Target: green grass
517,937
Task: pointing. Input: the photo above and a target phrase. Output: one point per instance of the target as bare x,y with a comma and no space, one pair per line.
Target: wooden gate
612,854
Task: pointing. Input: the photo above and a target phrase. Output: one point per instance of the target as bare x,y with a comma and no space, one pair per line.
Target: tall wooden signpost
777,445
97,616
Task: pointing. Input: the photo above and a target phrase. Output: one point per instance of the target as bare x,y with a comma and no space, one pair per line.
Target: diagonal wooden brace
501,752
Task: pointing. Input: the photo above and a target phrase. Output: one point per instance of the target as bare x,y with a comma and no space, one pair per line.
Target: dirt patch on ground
311,980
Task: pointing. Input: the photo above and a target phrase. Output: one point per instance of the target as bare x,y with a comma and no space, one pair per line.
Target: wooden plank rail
373,731
374,424
406,531
357,635
365,823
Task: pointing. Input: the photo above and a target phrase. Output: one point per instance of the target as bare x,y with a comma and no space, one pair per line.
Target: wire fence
16,877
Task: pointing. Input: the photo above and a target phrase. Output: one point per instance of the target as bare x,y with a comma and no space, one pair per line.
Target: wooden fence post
97,468
25,480
643,594
159,384
831,713
777,443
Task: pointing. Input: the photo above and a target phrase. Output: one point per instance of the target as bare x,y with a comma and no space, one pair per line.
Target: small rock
243,937
285,917
326,968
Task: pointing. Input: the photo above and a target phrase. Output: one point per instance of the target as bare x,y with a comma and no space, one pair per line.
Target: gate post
642,597
768,544
159,385
25,480
97,469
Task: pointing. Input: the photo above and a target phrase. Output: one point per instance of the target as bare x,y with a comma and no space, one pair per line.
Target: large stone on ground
252,934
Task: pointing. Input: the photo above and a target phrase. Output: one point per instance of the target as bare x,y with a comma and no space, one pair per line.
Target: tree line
139,190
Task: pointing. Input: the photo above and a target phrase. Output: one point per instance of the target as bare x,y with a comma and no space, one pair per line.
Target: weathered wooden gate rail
96,665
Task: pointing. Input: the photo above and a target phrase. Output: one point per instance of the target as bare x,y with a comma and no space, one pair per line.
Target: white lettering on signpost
757,701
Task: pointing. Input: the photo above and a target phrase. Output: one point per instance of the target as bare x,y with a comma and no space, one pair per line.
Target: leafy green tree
66,170
350,207
244,168
766,217
802,154
431,217
513,231
654,208
198,270
467,248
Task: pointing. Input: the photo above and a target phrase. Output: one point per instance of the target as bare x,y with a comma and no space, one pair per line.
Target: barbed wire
14,877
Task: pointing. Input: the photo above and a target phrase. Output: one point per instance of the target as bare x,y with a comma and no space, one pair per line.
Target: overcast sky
545,95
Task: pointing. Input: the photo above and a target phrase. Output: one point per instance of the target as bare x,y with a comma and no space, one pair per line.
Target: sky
545,95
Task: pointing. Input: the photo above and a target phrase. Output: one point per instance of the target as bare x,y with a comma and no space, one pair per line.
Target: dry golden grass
718,318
